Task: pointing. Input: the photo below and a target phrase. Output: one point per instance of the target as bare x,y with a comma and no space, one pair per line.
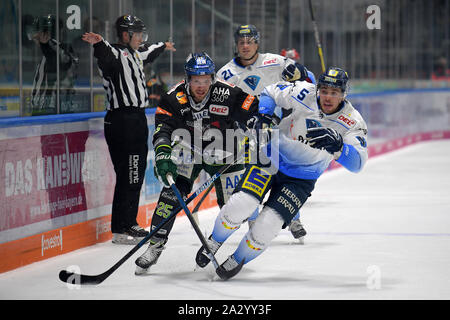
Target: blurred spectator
441,70
155,88
291,53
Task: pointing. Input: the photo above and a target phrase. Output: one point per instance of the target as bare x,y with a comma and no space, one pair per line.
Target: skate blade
124,239
141,271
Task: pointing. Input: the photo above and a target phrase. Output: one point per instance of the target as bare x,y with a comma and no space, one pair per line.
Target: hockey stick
220,271
236,125
199,203
191,219
82,279
316,36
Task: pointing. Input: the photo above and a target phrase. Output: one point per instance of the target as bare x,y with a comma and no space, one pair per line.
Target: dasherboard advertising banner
52,175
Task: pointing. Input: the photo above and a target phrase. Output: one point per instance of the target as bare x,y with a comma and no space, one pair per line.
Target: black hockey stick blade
76,278
225,275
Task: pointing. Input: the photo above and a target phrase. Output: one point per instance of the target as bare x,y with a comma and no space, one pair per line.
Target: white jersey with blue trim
252,79
300,111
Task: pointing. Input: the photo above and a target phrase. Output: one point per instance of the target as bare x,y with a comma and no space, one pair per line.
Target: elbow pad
350,158
266,104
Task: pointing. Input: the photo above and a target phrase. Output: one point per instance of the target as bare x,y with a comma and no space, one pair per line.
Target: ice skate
297,230
229,268
202,258
131,235
149,257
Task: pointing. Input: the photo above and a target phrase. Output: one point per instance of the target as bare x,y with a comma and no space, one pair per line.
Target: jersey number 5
302,94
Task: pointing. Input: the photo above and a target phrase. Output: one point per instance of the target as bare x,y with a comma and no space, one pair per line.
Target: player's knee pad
265,228
240,206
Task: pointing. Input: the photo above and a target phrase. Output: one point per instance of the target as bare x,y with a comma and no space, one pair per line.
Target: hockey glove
294,72
325,138
164,165
261,121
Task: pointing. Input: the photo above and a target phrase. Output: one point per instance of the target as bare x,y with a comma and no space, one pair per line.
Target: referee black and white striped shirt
122,69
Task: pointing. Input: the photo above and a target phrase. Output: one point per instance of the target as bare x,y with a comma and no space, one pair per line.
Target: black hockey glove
294,72
164,165
261,121
325,138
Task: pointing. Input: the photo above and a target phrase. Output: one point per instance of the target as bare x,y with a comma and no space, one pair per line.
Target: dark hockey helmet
131,24
198,64
246,31
46,23
334,77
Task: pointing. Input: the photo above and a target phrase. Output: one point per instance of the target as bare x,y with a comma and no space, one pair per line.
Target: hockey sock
248,250
257,239
223,229
297,216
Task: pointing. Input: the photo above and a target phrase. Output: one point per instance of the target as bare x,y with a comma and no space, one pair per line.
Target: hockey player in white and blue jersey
252,71
318,125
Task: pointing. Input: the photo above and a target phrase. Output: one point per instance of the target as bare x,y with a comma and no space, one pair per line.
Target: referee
122,68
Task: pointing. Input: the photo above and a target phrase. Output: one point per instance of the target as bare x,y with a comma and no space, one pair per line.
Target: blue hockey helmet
334,77
198,64
246,31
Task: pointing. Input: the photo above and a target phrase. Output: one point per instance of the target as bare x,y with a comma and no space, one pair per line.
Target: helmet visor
200,81
143,35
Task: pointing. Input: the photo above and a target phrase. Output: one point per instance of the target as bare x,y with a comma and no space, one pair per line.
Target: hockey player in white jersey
318,125
252,71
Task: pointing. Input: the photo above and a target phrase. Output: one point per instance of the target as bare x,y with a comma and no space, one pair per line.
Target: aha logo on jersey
220,94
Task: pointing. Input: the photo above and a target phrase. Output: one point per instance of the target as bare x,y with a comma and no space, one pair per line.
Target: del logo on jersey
219,109
348,121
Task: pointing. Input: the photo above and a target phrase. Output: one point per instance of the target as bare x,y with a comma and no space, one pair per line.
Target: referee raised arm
122,67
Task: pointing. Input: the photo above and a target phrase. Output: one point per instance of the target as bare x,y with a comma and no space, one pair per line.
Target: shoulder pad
225,83
175,87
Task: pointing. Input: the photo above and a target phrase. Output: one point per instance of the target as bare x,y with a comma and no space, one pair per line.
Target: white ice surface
381,234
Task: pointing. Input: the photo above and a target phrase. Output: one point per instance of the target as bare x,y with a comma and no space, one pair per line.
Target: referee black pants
126,134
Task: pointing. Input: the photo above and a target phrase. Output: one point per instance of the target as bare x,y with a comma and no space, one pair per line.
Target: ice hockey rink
381,234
